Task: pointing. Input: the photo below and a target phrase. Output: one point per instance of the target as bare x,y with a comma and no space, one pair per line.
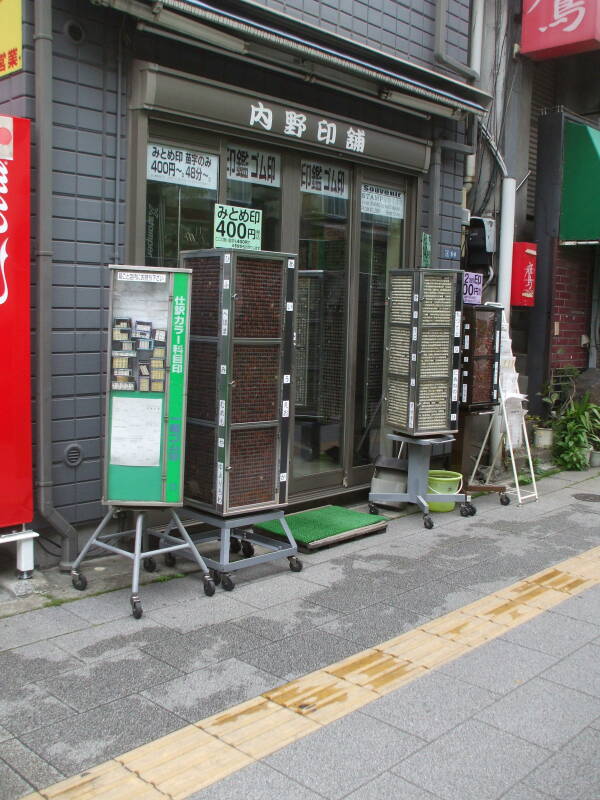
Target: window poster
182,167
237,228
253,166
381,201
325,179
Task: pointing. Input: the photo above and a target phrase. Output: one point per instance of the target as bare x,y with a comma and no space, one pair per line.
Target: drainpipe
43,257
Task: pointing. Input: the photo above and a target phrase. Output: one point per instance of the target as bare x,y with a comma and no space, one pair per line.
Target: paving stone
374,624
543,713
280,621
523,792
499,666
435,599
574,772
388,786
430,706
553,633
108,678
32,661
584,606
29,765
344,755
199,613
212,689
256,782
265,593
12,785
472,762
580,670
35,626
88,739
104,607
30,707
489,576
305,652
192,651
112,638
4,734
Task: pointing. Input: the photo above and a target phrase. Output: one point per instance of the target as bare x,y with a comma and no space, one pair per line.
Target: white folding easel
507,441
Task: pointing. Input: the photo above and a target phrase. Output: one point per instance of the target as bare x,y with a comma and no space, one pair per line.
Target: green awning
580,205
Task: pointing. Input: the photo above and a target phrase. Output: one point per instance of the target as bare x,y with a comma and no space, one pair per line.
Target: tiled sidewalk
84,682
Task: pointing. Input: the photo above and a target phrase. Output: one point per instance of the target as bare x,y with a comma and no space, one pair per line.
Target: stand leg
139,534
90,542
186,537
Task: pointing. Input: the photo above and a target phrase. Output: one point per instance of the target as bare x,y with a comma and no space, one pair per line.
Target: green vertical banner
175,433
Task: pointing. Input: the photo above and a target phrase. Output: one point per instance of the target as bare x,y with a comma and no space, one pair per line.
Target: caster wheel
216,577
170,560
149,564
427,522
136,609
373,509
209,587
235,545
471,508
227,583
295,564
464,511
79,582
504,500
247,549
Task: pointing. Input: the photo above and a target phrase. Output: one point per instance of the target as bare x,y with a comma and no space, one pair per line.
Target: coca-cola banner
16,492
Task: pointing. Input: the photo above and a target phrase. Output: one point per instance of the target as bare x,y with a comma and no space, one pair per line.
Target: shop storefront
339,193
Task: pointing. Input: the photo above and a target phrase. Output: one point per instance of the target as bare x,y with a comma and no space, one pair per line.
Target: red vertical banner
16,480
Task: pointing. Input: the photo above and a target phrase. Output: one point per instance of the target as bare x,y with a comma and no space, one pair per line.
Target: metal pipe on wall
507,238
43,257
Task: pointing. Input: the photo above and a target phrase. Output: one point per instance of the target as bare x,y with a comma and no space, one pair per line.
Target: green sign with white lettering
237,228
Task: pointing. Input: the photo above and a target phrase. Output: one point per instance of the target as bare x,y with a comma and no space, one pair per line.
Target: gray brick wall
400,27
85,124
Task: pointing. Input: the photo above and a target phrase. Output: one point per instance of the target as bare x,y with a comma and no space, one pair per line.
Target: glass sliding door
382,214
321,321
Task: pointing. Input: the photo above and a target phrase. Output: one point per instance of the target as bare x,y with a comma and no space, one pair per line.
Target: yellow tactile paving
186,761
321,697
465,629
181,763
380,672
532,594
109,781
423,649
259,727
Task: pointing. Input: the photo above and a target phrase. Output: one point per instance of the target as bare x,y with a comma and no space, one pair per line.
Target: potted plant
542,431
557,396
594,435
575,432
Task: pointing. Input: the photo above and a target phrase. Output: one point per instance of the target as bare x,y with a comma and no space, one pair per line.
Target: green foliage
575,431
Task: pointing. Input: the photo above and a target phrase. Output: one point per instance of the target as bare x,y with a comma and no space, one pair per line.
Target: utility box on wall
422,358
239,392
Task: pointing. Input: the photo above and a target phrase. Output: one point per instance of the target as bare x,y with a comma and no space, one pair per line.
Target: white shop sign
182,167
381,201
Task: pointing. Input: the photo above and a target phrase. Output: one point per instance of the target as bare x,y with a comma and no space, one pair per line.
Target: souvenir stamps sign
237,228
381,201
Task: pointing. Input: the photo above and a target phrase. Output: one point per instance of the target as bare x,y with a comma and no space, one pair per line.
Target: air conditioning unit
239,391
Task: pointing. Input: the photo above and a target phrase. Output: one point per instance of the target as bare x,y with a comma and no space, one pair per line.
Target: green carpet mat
322,523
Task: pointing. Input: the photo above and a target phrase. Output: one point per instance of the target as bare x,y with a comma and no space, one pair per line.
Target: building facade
347,124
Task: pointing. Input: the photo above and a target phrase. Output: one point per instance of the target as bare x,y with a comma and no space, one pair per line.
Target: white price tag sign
183,167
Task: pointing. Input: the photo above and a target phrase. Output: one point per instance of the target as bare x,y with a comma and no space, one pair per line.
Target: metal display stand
139,556
221,531
419,457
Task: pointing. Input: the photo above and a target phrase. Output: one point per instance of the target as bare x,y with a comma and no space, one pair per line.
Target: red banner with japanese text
554,28
16,480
